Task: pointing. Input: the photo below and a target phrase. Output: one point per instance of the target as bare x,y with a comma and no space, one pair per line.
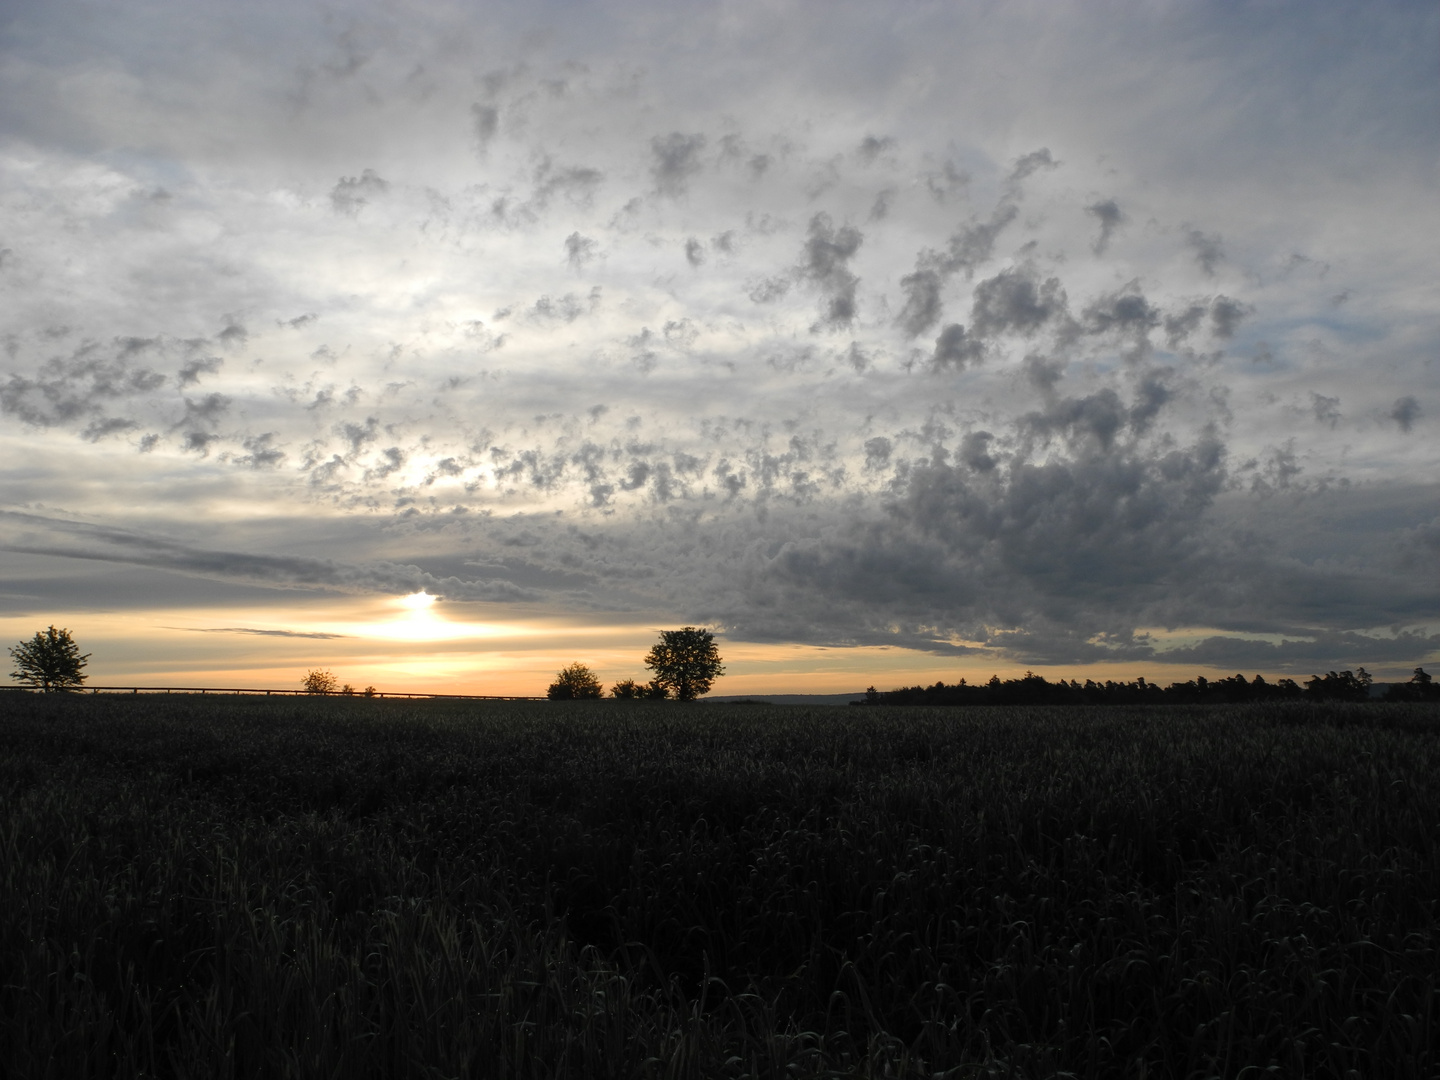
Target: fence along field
329,887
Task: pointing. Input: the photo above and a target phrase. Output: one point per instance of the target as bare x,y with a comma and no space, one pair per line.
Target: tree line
1032,689
685,662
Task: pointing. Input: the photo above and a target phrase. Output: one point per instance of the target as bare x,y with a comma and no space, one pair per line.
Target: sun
418,603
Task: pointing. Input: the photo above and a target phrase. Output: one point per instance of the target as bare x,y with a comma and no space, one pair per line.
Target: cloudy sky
894,342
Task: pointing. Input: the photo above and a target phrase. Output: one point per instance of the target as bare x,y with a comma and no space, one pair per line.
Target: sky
441,345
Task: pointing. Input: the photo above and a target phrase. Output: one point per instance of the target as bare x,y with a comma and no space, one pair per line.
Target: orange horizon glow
419,644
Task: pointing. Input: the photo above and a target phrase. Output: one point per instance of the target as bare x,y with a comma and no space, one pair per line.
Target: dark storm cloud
923,305
1226,315
1016,301
1317,651
1111,217
1405,412
970,246
828,249
1097,417
1127,312
877,452
70,389
1080,544
975,451
954,348
694,252
676,160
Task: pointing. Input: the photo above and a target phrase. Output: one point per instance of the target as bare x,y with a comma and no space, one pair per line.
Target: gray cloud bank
558,308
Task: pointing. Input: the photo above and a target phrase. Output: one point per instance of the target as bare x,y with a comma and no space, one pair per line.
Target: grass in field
298,888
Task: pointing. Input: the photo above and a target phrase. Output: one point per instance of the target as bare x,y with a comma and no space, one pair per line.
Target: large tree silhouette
685,662
49,661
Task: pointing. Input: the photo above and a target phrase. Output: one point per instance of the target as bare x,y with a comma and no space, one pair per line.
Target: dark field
212,887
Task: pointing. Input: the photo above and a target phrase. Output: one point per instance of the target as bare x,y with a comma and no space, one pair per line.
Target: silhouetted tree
1345,686
574,682
1421,687
49,661
630,690
320,682
685,662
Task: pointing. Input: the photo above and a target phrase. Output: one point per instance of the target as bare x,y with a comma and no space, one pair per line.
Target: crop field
250,887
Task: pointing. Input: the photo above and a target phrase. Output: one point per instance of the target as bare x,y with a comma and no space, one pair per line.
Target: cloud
676,159
351,194
486,119
1016,301
954,348
872,146
922,301
190,373
1208,248
1111,217
946,183
969,247
1028,164
828,250
1226,315
1325,409
34,534
69,389
1405,412
315,635
579,250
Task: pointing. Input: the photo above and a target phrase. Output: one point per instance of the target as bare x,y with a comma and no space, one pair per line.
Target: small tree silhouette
320,682
49,661
575,681
630,690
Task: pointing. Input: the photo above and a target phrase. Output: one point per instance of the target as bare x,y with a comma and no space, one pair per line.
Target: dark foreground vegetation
347,888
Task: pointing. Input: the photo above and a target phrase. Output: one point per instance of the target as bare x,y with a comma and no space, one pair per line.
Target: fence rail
270,693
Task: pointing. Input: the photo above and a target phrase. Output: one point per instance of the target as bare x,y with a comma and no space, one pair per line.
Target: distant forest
1032,689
